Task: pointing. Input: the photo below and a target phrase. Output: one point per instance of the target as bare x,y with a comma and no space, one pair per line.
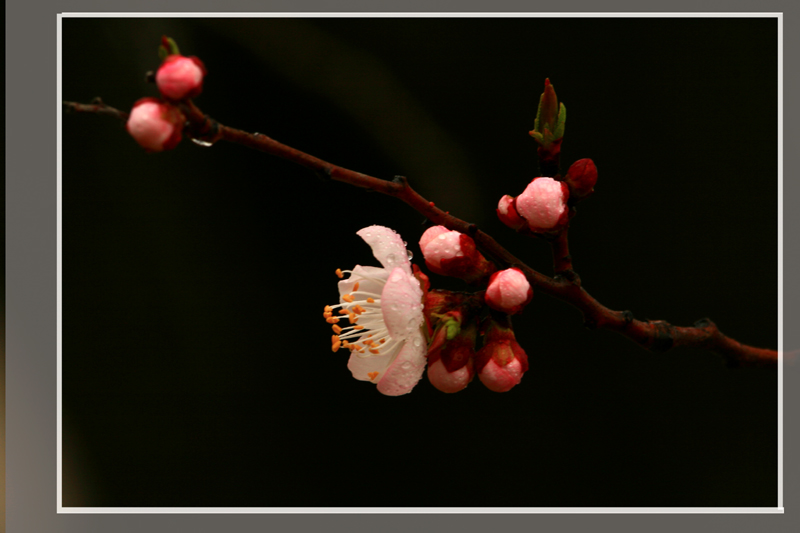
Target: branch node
704,323
401,180
627,316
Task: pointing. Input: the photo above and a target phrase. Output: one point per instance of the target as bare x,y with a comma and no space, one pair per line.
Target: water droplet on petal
410,254
417,342
198,142
390,259
406,365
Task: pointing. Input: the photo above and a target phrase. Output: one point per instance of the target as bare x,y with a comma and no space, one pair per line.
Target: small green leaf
538,114
162,53
562,121
536,135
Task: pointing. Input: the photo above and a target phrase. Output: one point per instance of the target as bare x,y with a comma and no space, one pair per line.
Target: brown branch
656,336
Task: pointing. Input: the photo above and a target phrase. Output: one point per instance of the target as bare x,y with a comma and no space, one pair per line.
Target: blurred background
197,368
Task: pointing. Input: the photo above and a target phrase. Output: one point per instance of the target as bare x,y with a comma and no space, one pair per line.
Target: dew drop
391,259
410,254
368,234
406,365
442,236
205,144
417,342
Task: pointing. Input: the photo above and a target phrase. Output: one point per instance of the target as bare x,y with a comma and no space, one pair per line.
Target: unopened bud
180,77
543,205
501,362
450,359
508,291
155,125
451,253
507,213
581,178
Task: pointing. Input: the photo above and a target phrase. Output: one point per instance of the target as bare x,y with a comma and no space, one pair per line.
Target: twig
656,336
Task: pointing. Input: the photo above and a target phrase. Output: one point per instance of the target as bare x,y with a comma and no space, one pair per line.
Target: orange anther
334,338
383,340
373,375
348,298
358,327
355,287
371,300
374,350
339,273
328,309
367,342
337,329
345,344
336,346
343,311
331,320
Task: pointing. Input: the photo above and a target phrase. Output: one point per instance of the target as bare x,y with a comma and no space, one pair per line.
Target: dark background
196,362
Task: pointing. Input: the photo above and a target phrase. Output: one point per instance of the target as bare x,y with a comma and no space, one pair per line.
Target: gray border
31,286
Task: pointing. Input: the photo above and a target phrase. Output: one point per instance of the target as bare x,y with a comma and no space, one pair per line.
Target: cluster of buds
467,333
157,124
453,318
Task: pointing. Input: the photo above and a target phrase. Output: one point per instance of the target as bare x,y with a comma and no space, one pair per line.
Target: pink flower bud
581,178
507,213
155,125
450,365
451,253
508,291
501,362
180,77
543,205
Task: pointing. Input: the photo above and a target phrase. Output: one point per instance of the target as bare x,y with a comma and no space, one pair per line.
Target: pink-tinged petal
407,368
542,203
401,304
387,247
501,378
449,381
446,245
370,279
364,365
430,234
508,291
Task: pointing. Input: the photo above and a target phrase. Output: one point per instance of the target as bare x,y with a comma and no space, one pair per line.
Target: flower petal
362,365
406,369
401,304
387,247
367,280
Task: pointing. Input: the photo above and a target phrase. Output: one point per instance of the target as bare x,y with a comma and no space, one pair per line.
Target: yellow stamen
355,287
371,300
372,375
339,273
348,298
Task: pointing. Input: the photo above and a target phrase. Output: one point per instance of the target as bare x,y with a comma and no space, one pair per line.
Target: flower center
367,340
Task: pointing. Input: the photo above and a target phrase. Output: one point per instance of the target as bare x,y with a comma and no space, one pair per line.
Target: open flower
383,307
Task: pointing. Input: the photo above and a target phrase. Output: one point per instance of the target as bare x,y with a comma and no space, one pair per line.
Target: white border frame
419,510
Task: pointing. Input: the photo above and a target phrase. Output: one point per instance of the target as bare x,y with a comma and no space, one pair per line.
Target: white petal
365,276
362,364
406,369
401,304
387,247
